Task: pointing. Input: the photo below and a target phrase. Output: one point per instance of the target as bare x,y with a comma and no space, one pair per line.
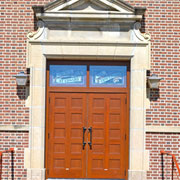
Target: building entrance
87,127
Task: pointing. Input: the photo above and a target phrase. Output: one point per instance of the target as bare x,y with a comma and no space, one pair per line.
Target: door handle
84,143
90,143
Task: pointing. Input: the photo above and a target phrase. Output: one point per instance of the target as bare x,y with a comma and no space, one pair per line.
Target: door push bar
84,143
90,143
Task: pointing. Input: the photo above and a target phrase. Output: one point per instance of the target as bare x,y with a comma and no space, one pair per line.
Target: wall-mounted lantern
153,81
21,79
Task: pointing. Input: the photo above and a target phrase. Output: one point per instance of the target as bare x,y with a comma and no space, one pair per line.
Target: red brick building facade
161,21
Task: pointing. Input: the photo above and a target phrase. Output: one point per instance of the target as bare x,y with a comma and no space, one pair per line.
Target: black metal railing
173,170
11,151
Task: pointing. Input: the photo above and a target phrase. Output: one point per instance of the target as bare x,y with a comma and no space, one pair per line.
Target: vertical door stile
51,132
86,123
85,119
106,130
68,131
89,121
52,125
123,118
126,142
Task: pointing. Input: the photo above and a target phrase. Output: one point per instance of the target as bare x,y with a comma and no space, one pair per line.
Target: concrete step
81,179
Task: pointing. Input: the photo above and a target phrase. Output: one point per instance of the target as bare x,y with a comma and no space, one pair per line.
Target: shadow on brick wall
23,92
153,94
143,24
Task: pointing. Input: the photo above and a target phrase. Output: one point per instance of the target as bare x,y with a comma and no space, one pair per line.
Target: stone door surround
88,30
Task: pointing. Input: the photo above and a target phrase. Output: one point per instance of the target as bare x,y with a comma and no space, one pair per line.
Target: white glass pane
108,76
68,75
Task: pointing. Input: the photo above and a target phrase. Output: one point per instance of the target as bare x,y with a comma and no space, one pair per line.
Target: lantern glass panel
21,81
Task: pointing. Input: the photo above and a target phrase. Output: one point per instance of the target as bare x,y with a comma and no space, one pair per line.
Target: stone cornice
69,16
101,43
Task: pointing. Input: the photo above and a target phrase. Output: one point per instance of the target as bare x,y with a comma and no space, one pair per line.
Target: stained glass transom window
68,75
108,76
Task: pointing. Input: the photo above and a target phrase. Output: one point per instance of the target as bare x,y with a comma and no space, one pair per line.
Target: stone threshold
81,179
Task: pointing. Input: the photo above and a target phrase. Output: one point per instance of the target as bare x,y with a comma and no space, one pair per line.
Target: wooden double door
87,135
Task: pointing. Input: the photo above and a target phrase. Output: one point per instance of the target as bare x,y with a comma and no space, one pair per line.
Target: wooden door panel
69,113
106,117
66,121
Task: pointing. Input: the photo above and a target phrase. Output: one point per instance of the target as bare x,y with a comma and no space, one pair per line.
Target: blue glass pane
68,75
108,76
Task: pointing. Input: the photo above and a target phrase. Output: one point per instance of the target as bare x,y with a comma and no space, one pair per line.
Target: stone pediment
88,9
89,6
105,19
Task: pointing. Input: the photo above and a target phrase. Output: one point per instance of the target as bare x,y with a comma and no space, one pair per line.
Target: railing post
0,166
162,165
12,163
172,167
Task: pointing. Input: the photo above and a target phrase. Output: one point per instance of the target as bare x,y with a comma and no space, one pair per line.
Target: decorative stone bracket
139,35
36,34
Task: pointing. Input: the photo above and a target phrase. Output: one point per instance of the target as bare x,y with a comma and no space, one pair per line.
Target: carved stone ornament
36,34
146,36
139,35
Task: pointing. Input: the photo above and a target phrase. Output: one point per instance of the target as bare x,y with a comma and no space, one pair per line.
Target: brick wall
16,20
162,21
